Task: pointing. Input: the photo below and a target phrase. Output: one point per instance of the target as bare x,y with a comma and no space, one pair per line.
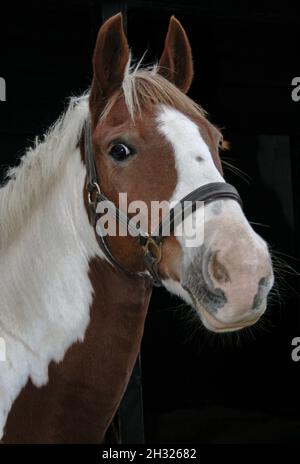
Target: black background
242,388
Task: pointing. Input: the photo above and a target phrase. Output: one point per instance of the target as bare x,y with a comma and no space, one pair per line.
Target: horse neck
113,339
85,389
46,292
57,291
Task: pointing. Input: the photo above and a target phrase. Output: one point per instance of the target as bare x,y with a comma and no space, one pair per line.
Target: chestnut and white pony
71,322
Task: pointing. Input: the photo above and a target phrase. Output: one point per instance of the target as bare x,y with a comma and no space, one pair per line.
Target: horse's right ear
176,63
110,59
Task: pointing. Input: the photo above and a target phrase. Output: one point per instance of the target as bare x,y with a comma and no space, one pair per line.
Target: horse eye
120,152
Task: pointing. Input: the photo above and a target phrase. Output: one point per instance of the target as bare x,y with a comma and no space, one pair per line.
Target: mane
39,169
46,244
144,88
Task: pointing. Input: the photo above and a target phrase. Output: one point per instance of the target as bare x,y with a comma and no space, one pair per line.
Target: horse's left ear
176,63
111,56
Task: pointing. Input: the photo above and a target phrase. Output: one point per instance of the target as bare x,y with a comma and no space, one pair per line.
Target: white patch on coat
46,242
188,145
194,166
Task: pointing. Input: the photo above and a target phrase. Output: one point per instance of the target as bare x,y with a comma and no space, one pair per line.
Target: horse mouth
213,324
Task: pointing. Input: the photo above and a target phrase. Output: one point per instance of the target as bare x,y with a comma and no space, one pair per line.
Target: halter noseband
151,244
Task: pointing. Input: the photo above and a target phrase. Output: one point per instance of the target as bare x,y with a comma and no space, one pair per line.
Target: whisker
259,224
245,177
282,264
280,252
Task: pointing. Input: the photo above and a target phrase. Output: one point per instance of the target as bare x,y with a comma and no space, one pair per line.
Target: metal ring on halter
150,242
91,188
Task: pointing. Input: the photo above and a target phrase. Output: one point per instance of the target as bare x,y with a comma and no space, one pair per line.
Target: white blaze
195,167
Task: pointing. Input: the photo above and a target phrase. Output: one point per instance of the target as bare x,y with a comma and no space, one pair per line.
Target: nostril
262,291
218,270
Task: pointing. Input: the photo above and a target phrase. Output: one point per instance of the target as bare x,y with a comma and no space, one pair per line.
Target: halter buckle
151,257
151,244
91,188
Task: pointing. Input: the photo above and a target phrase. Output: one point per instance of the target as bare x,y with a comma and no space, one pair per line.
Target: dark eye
120,152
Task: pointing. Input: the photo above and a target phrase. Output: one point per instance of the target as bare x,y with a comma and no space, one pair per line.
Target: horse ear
176,63
110,58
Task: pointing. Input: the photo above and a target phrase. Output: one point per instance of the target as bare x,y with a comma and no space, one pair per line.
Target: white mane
39,167
46,243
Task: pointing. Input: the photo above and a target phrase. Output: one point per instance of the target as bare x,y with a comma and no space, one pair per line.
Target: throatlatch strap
92,177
